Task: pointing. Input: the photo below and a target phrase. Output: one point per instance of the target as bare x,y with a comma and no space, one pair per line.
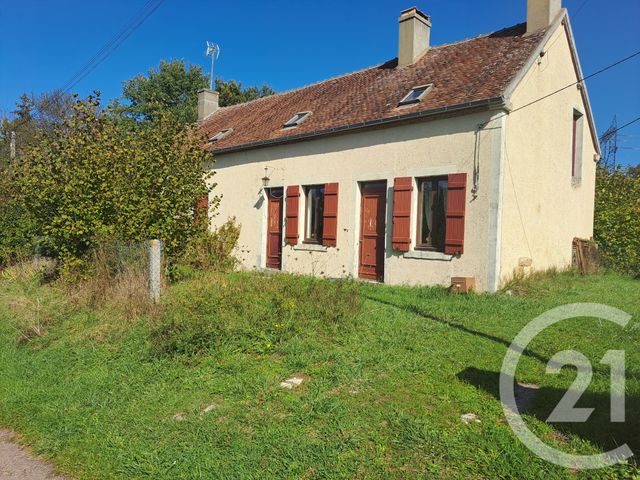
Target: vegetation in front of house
191,388
84,175
95,178
617,217
257,314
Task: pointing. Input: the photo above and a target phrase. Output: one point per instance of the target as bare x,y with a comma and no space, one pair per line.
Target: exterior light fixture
265,179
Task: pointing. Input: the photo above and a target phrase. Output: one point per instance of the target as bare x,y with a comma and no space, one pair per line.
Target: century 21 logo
566,411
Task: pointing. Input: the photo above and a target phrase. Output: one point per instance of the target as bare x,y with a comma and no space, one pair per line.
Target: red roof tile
469,71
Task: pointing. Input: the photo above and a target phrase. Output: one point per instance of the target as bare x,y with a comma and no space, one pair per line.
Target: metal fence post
155,263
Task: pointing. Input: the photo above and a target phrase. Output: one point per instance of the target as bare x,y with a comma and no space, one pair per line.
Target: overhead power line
627,124
112,45
105,51
577,12
580,80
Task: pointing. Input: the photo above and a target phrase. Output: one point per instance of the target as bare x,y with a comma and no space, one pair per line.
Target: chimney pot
207,103
414,32
541,13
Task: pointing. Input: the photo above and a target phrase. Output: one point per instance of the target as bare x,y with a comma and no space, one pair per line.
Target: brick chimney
413,38
541,13
207,103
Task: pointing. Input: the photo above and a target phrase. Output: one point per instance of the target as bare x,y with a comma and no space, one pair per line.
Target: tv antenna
213,51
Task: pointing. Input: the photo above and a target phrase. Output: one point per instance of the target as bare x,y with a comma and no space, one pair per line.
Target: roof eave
488,103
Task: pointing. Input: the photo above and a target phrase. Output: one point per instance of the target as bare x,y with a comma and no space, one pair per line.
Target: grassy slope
383,399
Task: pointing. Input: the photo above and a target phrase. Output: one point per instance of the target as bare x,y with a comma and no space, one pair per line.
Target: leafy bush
17,226
97,176
213,250
617,219
254,313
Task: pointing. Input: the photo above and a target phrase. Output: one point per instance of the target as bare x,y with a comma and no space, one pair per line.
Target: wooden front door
372,227
274,228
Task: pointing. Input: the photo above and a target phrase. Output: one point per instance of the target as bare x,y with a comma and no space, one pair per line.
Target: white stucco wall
542,208
420,149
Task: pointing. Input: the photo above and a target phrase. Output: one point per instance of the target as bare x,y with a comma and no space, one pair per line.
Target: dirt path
16,463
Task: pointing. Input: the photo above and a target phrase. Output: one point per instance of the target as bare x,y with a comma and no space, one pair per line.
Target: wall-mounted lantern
265,179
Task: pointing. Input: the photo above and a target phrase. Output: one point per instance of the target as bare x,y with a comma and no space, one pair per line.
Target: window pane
315,209
414,95
433,213
439,214
427,202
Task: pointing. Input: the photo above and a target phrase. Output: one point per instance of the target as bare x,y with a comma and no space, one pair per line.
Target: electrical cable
107,49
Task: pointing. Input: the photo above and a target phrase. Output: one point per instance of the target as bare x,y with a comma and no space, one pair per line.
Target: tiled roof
464,72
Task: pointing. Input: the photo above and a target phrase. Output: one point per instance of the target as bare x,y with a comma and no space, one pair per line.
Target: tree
18,229
617,218
97,176
33,114
173,87
232,92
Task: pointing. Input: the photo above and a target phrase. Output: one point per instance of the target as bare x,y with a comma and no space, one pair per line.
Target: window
416,94
314,213
576,148
220,135
297,119
432,213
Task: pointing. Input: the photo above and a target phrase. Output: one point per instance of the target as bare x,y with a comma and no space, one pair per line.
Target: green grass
389,372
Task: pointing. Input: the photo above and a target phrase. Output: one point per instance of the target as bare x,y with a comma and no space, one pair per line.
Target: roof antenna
213,50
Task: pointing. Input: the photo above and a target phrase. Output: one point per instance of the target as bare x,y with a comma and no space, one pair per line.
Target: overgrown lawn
388,372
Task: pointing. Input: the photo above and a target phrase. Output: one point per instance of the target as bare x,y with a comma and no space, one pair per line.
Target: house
445,162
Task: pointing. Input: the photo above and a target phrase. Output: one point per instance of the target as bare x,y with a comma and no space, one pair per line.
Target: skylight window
220,135
297,119
416,94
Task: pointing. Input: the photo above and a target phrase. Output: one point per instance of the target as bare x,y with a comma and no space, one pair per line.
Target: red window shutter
456,202
401,233
293,199
330,215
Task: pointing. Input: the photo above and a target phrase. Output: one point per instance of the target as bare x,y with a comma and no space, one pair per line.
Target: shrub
617,219
97,176
213,250
254,313
17,226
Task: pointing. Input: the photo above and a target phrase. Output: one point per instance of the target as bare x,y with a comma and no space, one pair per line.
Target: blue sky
288,44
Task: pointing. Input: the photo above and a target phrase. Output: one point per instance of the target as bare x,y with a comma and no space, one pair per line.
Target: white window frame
220,135
307,216
297,119
427,88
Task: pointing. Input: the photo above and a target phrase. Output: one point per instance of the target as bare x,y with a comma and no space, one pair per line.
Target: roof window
220,135
416,94
297,119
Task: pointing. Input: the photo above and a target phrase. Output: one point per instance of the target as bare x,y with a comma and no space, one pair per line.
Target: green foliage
33,115
173,87
381,398
213,250
18,229
257,314
232,92
97,177
617,219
